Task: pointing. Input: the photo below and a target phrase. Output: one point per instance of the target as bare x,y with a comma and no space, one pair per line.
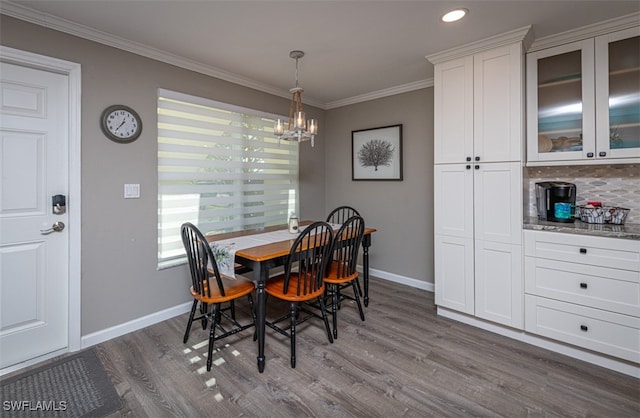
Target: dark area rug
74,386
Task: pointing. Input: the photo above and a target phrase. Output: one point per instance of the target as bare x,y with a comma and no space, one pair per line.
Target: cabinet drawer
609,333
598,287
593,251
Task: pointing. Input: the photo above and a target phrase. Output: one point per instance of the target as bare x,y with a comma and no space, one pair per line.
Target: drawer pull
583,285
583,250
584,328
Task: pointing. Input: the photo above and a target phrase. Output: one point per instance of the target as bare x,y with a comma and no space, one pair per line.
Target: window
221,168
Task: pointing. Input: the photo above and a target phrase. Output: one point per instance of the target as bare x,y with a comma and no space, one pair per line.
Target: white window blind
221,168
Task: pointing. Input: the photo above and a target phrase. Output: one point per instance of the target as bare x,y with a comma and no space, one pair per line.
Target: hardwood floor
402,361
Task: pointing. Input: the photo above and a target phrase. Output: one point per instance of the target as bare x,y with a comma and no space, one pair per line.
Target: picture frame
376,154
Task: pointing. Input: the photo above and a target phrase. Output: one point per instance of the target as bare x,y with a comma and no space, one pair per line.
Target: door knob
56,227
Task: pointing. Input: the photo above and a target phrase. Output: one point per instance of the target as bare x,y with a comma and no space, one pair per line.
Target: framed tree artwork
376,154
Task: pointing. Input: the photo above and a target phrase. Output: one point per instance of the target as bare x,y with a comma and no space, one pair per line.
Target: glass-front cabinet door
561,105
618,94
583,100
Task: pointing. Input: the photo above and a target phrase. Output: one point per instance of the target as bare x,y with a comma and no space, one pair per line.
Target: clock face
121,124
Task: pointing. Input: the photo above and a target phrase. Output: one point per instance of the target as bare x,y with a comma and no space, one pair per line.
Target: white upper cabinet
561,96
478,107
618,94
584,100
453,90
498,104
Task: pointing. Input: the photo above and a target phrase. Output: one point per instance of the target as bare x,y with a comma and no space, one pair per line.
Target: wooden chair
209,287
342,271
302,281
340,214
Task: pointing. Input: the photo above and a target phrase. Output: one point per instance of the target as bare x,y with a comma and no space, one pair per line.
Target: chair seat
275,287
334,278
233,288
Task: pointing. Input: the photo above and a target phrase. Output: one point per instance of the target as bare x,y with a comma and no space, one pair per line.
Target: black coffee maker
555,201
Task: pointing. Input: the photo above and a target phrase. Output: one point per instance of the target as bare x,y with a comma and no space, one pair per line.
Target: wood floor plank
403,361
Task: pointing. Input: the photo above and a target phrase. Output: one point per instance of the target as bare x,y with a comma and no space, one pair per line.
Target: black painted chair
302,281
340,214
210,288
342,272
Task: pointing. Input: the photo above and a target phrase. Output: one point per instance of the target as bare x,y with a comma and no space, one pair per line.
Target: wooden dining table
260,259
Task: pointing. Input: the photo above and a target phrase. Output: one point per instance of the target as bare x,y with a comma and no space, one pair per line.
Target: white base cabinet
454,271
584,291
499,283
480,278
478,252
593,329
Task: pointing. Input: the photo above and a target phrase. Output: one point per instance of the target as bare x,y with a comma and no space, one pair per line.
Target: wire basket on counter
602,214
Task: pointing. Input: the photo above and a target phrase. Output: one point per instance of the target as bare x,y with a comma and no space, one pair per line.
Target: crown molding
85,32
416,85
523,34
589,31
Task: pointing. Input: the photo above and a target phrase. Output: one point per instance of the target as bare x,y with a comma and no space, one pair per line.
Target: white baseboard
396,278
134,325
571,351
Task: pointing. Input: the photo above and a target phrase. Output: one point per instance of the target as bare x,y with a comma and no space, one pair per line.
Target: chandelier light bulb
300,121
279,127
312,127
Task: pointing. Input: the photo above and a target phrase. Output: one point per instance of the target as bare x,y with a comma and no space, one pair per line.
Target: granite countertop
627,231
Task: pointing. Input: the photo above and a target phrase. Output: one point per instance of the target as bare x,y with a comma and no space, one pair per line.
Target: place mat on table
224,251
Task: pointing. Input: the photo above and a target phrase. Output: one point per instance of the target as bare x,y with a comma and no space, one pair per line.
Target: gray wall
402,211
119,239
120,281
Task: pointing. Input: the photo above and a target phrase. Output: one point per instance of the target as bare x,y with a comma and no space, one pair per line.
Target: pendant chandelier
297,127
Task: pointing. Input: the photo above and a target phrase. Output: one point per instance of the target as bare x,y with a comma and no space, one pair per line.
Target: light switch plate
131,191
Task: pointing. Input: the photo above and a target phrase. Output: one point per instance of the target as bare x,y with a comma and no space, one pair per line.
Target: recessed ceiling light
454,15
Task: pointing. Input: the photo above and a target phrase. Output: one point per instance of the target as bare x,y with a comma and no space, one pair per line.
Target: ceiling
353,48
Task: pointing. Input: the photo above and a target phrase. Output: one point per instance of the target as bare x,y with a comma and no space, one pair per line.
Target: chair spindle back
202,263
308,258
346,245
341,214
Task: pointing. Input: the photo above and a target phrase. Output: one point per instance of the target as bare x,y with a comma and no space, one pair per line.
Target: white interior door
34,265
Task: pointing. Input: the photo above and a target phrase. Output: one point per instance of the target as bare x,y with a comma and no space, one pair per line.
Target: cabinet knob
468,158
477,158
583,285
583,250
468,167
584,328
477,167
589,154
602,154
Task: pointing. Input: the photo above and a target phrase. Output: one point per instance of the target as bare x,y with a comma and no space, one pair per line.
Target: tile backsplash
613,185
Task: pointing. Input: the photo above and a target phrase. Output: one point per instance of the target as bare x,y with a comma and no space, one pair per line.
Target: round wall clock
121,124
